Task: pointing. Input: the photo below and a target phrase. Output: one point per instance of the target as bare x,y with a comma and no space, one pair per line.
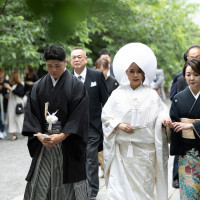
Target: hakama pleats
47,180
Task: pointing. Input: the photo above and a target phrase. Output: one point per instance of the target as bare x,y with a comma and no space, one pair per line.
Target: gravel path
14,165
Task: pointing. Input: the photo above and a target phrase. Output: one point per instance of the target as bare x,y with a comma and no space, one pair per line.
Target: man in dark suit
105,54
94,82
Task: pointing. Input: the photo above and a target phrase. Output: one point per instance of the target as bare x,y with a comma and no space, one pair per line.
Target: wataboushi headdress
138,53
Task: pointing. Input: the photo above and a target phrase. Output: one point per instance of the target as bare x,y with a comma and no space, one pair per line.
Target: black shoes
175,183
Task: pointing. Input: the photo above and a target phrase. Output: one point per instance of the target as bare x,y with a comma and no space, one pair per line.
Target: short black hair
54,52
194,64
104,52
191,47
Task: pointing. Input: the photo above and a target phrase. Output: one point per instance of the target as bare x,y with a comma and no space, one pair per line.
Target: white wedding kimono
135,164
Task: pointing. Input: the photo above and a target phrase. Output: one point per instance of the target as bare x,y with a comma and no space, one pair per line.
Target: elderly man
94,82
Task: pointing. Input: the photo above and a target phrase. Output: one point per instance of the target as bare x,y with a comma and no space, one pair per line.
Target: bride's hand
125,127
167,122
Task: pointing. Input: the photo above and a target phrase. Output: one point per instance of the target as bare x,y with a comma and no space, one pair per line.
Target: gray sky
196,17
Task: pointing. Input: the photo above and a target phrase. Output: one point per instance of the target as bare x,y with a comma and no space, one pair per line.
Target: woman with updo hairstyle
15,121
185,139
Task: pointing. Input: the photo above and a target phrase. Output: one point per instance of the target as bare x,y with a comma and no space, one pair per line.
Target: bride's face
135,75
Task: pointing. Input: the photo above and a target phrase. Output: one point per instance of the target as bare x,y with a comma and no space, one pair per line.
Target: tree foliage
27,27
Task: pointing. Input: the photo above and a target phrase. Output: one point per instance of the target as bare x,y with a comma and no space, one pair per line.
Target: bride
135,151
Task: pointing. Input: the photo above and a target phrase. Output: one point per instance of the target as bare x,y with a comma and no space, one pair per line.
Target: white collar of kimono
138,53
136,89
83,74
54,82
195,96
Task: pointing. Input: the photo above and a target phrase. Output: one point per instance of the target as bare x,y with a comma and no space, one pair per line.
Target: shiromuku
135,150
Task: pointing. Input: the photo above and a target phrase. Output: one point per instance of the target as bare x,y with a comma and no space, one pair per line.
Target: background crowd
13,94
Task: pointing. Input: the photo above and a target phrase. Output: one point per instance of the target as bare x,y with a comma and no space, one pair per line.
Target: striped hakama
47,180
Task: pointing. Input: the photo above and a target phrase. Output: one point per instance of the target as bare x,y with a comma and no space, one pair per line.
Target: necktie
80,78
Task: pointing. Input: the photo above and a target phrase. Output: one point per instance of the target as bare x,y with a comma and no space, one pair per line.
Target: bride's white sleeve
163,109
108,116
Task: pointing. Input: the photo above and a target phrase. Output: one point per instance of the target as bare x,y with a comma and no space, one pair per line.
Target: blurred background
169,27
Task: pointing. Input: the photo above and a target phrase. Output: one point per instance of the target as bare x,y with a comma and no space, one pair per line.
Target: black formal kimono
186,108
184,105
181,83
69,97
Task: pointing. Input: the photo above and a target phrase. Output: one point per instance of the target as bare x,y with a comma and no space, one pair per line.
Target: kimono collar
195,96
54,82
83,74
137,89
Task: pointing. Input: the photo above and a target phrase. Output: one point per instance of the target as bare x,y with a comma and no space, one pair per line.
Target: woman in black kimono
185,140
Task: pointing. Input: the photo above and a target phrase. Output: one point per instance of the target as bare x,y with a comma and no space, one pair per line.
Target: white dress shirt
83,74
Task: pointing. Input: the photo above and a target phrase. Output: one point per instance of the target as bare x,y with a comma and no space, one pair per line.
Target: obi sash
189,134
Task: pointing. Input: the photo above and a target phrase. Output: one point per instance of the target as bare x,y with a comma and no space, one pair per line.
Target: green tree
166,26
19,36
27,27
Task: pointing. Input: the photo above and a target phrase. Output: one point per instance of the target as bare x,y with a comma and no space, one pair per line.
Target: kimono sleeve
108,117
176,146
197,131
77,122
32,123
32,119
163,109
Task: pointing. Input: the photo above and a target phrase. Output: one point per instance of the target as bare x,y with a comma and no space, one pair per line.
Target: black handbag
19,109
